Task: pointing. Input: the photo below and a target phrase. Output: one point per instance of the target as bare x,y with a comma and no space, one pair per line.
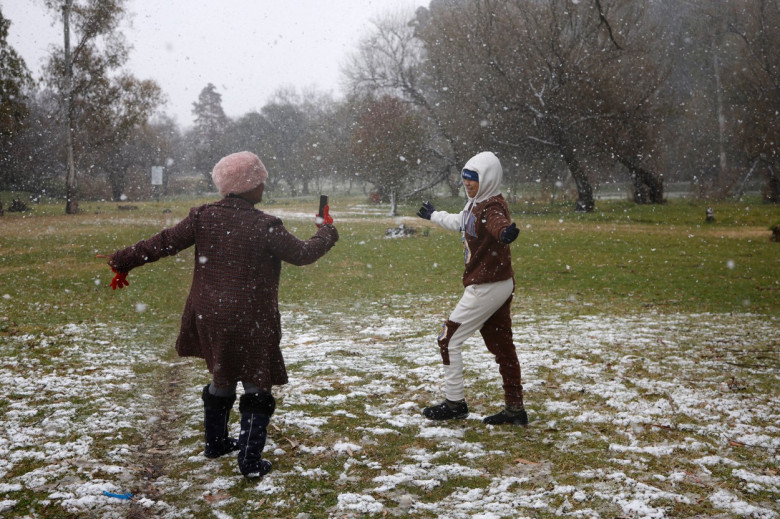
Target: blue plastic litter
118,496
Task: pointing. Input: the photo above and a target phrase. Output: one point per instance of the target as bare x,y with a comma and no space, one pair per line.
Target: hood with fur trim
487,165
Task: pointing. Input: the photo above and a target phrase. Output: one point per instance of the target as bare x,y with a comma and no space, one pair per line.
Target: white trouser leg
476,306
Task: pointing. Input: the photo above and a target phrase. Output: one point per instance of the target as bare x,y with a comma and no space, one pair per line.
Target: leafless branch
604,21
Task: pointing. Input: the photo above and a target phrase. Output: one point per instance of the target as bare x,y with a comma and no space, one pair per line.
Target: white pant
478,304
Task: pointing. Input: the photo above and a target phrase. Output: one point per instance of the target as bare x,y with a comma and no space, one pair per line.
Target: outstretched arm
290,249
165,243
450,221
442,218
500,226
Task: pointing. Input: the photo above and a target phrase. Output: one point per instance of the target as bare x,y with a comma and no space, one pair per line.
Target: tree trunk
71,187
648,189
722,160
454,182
454,185
772,194
393,203
743,185
585,202
71,204
293,190
117,181
208,182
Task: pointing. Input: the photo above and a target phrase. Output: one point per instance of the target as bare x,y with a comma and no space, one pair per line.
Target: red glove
120,280
326,218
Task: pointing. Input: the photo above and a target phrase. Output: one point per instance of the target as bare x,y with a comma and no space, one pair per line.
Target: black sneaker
447,410
519,417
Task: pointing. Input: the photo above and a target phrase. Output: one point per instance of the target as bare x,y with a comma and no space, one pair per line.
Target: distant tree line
565,92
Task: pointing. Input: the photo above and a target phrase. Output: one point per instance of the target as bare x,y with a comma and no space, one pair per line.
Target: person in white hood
488,278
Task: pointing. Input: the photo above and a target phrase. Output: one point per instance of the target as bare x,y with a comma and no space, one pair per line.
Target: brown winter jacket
482,221
488,259
231,317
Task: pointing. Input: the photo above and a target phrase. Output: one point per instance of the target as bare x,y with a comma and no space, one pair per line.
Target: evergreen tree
208,136
14,81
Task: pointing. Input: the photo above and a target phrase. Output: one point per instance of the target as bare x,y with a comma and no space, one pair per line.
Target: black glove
426,210
509,234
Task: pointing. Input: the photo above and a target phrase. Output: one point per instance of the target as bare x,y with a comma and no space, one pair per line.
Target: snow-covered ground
670,410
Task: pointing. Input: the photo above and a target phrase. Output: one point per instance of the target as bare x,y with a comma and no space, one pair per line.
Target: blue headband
470,175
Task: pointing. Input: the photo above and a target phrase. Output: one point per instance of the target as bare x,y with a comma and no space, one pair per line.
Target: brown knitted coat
231,317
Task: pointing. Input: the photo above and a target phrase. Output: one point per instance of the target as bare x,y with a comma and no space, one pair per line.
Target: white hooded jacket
481,222
490,172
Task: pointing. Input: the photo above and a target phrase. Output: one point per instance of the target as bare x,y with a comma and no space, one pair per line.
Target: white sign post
157,175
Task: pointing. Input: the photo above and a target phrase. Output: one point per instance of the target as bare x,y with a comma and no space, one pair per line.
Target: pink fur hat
238,173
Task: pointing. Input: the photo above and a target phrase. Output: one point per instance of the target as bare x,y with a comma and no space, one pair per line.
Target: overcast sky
246,48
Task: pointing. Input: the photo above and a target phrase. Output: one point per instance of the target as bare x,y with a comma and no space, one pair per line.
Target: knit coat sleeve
166,243
290,249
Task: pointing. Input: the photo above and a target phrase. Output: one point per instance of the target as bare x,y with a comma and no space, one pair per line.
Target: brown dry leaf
216,497
693,476
293,443
660,426
527,462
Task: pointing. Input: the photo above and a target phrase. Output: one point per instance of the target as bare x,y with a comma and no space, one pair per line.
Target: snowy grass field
650,359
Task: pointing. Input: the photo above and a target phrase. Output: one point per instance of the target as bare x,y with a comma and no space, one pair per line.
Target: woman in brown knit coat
231,317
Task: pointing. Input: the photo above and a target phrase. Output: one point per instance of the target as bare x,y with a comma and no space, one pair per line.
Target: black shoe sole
444,418
511,422
517,420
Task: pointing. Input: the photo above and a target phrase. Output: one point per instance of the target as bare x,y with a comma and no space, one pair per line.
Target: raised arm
290,249
444,219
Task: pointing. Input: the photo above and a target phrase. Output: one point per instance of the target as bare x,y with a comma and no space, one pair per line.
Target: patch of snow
61,406
725,500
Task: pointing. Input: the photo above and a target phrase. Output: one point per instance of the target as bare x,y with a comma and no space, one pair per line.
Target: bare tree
755,94
253,132
630,131
388,143
99,104
331,131
391,60
287,138
545,78
322,139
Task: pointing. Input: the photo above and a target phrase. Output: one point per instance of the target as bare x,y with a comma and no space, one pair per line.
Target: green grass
623,258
